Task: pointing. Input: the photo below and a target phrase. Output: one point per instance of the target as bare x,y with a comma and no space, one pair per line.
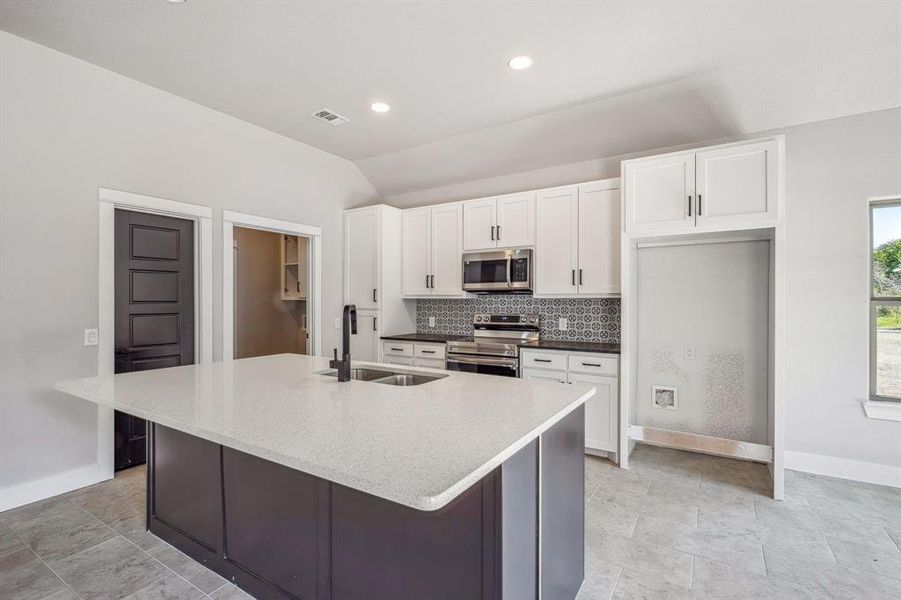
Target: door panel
361,230
601,413
364,344
479,220
447,250
417,250
154,300
737,184
557,241
599,240
516,220
659,193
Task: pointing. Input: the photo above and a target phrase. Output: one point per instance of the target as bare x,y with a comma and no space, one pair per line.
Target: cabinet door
558,376
447,250
361,252
417,249
364,344
599,239
601,411
516,220
660,194
738,184
479,224
557,241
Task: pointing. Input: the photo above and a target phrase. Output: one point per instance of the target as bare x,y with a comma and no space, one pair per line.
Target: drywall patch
726,403
664,361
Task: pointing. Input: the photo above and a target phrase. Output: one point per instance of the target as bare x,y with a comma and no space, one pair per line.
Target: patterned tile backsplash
588,319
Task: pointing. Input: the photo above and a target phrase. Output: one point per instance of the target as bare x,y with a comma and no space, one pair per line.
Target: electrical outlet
431,321
91,337
689,352
337,322
563,324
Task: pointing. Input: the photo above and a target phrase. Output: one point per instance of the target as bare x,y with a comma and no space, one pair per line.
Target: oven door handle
491,361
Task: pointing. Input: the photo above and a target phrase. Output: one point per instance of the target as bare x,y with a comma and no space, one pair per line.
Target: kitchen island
295,485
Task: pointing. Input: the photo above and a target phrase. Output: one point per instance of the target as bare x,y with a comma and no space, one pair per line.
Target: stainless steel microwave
498,272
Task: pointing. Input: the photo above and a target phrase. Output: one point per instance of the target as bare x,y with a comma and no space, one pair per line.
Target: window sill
883,410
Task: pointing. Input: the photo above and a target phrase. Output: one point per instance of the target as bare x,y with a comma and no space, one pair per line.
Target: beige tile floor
676,525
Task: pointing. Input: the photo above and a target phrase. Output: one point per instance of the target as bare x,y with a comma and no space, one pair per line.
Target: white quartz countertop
420,446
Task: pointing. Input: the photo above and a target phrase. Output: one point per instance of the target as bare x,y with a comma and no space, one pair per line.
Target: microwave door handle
509,268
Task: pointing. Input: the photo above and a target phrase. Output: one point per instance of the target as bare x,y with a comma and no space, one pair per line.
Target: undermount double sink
387,377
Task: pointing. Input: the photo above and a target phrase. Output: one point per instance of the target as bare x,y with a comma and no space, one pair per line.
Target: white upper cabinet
503,222
447,250
479,224
433,251
417,242
557,246
660,194
361,250
599,238
720,188
736,183
515,220
578,240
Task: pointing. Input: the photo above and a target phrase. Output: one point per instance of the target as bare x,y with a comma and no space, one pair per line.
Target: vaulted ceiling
609,77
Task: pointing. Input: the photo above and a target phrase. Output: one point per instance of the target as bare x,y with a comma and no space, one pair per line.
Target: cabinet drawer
407,361
429,363
558,376
397,348
429,351
544,360
601,365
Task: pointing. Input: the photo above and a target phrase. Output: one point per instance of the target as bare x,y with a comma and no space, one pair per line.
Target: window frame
875,301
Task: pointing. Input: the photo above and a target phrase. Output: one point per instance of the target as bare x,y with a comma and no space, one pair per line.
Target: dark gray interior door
154,309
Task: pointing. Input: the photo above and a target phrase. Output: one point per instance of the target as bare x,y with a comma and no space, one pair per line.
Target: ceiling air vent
332,118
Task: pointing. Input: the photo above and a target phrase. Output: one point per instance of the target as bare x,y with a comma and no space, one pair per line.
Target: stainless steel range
494,349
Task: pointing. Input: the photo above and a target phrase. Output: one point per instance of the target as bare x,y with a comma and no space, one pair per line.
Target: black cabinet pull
574,277
580,276
427,281
298,287
427,351
585,364
374,321
433,282
498,233
374,295
398,349
700,211
541,359
492,233
689,206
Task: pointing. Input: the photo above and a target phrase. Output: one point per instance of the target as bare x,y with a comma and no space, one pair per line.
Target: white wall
68,128
832,169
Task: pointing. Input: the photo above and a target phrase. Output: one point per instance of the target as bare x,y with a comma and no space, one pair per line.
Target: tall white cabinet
578,240
432,263
373,262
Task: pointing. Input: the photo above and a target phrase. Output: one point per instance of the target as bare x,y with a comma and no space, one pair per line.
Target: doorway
271,282
154,309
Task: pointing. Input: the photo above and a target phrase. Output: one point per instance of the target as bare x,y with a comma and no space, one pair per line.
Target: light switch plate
563,324
431,321
91,337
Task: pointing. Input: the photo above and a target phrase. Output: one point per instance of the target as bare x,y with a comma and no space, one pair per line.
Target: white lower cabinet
364,345
599,370
413,354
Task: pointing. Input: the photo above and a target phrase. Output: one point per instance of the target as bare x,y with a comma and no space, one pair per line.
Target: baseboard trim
47,487
843,468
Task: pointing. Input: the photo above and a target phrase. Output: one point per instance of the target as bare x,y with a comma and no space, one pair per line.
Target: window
885,300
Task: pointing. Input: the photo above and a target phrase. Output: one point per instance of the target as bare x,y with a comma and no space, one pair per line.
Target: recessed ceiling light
380,107
518,63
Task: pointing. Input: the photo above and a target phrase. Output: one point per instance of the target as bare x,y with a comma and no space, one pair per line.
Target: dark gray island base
280,533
